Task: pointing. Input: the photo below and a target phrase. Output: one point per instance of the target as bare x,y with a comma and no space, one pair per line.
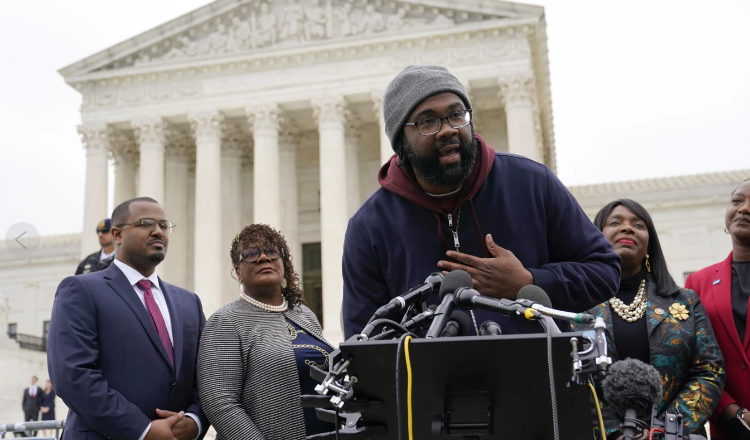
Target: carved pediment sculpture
267,24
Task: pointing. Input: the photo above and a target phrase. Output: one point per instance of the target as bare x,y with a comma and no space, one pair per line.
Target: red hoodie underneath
395,179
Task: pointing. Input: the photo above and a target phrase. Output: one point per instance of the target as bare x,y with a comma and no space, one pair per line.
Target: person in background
48,406
32,398
102,258
724,288
653,320
256,352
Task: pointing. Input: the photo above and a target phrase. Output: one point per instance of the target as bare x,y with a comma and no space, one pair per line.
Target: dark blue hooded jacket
396,238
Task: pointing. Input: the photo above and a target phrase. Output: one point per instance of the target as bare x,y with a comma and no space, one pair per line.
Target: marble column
518,95
231,204
150,134
191,223
351,140
264,121
208,247
386,151
96,140
176,207
125,155
329,114
288,142
248,183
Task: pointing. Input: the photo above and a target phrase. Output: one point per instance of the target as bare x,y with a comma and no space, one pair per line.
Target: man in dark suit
32,399
123,343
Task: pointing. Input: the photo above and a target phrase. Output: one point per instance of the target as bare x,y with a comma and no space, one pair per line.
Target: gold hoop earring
726,231
648,264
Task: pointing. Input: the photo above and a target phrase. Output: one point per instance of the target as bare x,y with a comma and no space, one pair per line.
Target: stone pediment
225,28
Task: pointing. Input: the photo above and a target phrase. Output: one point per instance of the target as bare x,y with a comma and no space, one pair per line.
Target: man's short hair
122,211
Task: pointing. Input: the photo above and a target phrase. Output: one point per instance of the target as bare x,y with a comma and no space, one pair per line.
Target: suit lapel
175,315
658,307
120,284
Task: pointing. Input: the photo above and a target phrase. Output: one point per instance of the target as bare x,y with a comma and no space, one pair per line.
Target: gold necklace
263,306
634,311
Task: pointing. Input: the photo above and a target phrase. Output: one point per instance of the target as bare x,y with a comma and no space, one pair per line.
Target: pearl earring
283,283
242,287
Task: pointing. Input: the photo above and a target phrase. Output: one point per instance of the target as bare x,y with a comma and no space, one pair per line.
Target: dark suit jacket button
743,365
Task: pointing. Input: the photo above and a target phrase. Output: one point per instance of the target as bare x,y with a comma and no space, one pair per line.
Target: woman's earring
726,231
648,264
283,283
242,287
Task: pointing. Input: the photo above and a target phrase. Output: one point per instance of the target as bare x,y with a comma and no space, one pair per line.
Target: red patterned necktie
156,317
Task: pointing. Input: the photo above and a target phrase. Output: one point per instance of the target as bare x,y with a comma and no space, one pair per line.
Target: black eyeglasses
428,126
252,254
149,224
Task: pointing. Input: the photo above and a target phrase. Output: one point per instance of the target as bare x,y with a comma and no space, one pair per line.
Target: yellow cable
598,410
408,388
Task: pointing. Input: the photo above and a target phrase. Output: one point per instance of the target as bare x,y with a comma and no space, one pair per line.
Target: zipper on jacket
455,232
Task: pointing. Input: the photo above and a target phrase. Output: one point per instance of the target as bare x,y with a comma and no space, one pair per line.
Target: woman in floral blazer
653,320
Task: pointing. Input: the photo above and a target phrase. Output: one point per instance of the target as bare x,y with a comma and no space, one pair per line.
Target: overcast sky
640,89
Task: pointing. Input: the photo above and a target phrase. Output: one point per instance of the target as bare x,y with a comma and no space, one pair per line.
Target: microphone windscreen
454,281
465,325
631,384
490,328
536,294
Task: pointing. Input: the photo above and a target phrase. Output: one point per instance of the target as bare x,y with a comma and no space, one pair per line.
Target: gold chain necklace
634,311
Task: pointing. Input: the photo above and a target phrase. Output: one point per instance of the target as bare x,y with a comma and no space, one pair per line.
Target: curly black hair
264,235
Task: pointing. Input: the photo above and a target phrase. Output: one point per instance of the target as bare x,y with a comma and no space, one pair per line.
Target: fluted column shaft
125,154
264,121
248,183
208,246
176,206
150,133
329,114
96,141
351,140
386,150
518,96
289,200
231,205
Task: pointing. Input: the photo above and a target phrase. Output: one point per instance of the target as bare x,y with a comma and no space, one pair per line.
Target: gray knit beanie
412,86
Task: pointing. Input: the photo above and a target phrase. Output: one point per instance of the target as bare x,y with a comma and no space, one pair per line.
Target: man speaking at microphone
448,201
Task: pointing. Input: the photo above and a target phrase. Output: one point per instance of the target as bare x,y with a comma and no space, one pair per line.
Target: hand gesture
500,276
162,429
184,429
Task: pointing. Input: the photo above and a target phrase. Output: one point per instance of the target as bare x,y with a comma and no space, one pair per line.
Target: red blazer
713,285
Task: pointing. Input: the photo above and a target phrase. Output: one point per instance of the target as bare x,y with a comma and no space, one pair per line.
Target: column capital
329,109
233,140
206,125
288,137
150,130
264,116
352,125
96,137
179,146
377,103
517,89
123,148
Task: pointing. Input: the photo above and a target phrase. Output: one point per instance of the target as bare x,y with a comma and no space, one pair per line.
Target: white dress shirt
133,277
33,390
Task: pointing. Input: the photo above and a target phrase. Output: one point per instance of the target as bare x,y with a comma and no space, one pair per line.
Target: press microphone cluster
631,389
452,282
415,295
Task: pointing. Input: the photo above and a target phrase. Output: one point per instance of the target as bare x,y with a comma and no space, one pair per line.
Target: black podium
483,388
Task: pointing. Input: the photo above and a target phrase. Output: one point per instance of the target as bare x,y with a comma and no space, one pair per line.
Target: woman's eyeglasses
252,254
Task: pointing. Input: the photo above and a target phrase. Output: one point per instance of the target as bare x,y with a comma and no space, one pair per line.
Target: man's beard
156,257
429,167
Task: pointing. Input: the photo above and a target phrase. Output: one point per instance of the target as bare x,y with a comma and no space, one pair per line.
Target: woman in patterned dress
655,321
255,353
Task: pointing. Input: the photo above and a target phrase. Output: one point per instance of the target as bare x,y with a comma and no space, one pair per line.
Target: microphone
490,328
470,299
630,389
452,282
536,298
415,295
459,325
